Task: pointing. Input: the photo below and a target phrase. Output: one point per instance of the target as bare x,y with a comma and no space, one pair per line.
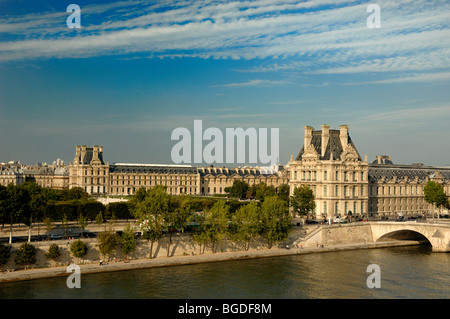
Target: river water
405,272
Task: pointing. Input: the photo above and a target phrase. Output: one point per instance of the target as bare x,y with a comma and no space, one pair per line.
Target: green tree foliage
238,190
107,243
152,229
434,194
247,222
17,208
26,255
275,219
78,248
283,192
263,191
303,201
5,253
215,224
127,241
121,210
53,252
151,208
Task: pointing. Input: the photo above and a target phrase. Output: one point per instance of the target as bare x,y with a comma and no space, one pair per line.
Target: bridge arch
438,235
405,234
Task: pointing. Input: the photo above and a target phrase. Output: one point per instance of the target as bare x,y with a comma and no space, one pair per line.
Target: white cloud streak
315,37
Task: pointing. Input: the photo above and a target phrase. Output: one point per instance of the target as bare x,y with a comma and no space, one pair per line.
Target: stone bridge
436,234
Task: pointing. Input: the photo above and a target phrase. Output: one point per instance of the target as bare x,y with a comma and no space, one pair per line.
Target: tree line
268,218
29,203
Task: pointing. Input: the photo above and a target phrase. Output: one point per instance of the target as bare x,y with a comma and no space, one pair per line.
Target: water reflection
406,272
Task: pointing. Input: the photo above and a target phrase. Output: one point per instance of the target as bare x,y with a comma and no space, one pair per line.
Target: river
405,272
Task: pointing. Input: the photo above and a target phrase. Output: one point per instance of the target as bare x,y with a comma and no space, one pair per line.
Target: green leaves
302,201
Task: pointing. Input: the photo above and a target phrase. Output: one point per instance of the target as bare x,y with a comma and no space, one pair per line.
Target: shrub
26,255
53,252
5,253
78,248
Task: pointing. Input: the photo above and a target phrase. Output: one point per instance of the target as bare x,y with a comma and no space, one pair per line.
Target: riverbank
38,273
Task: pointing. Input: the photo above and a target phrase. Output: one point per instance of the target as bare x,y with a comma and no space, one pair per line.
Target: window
337,175
325,208
325,190
337,190
325,175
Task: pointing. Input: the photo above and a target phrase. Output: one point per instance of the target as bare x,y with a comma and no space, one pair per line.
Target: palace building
90,172
328,162
343,182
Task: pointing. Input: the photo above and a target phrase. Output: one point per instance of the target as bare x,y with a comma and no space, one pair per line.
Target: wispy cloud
255,83
313,37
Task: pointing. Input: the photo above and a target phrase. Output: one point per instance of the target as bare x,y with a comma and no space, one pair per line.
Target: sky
136,70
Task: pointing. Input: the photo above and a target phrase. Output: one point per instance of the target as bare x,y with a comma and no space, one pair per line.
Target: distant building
90,172
328,162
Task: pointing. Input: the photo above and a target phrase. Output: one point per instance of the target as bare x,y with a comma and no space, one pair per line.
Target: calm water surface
406,272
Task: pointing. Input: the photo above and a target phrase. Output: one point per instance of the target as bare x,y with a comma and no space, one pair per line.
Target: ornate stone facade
90,172
343,182
331,166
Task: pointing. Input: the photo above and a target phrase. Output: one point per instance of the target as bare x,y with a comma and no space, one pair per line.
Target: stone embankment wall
182,244
338,234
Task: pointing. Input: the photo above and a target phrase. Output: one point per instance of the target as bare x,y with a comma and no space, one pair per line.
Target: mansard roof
152,168
238,171
333,148
410,172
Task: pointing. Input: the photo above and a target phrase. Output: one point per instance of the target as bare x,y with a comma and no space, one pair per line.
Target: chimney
76,160
325,137
83,154
343,135
308,136
95,153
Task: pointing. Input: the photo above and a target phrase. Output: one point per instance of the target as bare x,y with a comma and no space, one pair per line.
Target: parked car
55,236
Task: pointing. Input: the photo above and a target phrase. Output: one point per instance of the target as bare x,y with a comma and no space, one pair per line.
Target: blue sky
136,70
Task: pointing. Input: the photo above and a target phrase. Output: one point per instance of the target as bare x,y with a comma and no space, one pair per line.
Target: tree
82,222
107,242
239,189
53,252
151,208
248,222
177,219
99,219
283,192
4,203
263,191
127,241
48,225
276,220
216,222
78,248
434,194
17,205
5,253
302,201
26,255
36,205
152,229
199,234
